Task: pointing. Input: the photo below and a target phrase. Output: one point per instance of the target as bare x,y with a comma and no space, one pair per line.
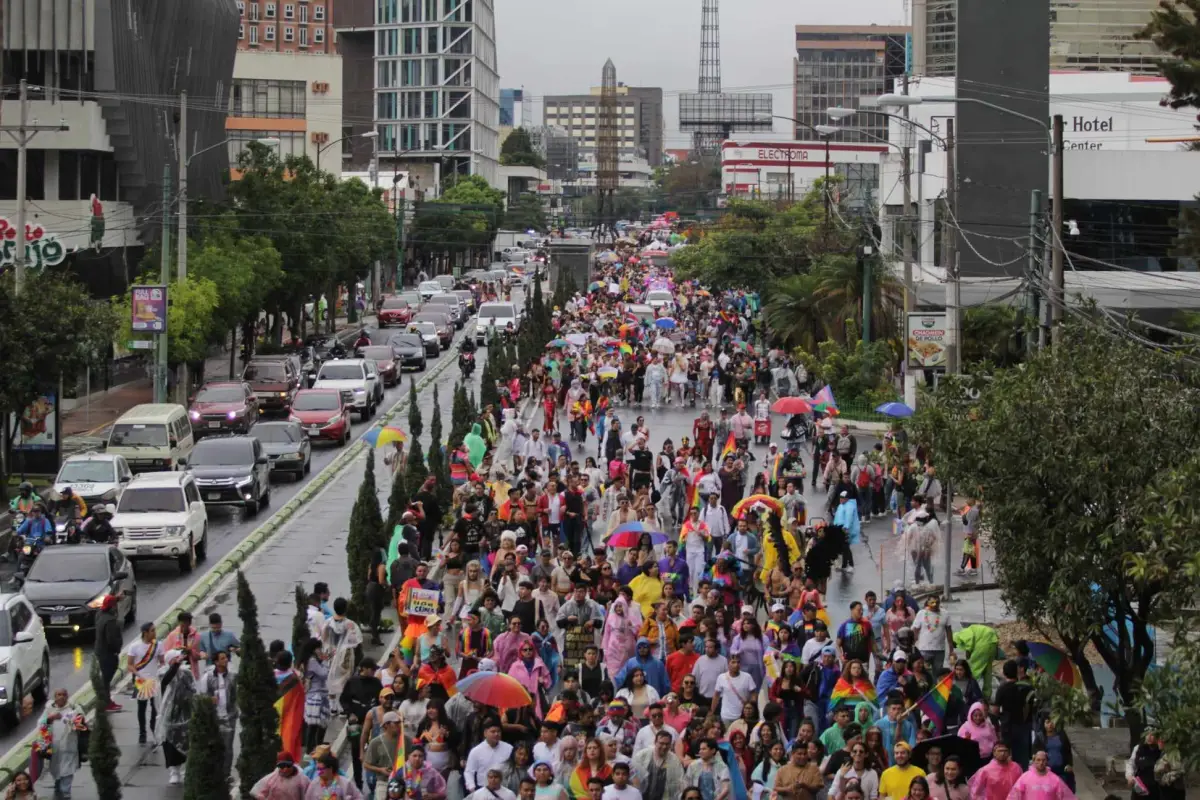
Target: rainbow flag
290,708
401,755
823,400
729,449
933,704
861,691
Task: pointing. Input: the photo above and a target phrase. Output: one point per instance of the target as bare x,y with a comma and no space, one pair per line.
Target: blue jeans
62,787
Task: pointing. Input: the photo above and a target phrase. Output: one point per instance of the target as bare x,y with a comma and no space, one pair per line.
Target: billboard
148,309
927,338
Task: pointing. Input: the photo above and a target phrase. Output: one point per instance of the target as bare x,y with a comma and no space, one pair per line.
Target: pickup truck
356,379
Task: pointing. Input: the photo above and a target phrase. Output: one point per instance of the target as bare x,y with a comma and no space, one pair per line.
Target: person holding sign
414,608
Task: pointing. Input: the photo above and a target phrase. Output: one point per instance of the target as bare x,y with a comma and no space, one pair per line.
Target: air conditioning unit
320,138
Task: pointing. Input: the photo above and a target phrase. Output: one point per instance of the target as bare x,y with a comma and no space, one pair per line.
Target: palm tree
805,309
793,314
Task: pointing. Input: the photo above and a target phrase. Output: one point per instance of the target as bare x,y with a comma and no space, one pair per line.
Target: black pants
141,715
847,555
356,758
313,735
108,668
571,528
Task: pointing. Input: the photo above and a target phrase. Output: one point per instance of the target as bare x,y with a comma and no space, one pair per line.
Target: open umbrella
663,346
742,506
382,437
791,405
607,373
558,343
495,689
894,409
594,287
966,750
578,339
1056,663
666,323
632,527
620,538
626,349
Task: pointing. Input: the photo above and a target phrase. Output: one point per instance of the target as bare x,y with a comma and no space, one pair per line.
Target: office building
560,150
838,64
95,189
512,108
432,82
287,81
639,120
1085,35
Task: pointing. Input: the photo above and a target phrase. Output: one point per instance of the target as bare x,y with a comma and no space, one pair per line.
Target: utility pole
160,372
864,255
1035,215
950,241
181,389
1058,294
23,134
906,165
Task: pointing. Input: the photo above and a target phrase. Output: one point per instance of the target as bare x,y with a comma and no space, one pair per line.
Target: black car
409,350
67,585
231,471
287,445
431,348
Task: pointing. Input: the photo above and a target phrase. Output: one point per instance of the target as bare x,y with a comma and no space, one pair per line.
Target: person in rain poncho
620,633
847,517
476,446
508,434
63,721
656,382
340,638
178,687
980,643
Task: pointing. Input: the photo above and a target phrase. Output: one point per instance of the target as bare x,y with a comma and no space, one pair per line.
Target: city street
299,548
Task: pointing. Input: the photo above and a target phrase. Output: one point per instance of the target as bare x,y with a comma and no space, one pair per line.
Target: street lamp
363,135
823,131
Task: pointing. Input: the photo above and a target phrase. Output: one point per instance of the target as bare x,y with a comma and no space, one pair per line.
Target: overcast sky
560,47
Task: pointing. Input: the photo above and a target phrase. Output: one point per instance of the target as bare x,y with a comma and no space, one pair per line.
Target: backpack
864,477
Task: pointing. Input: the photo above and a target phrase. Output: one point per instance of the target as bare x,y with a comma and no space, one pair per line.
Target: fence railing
860,411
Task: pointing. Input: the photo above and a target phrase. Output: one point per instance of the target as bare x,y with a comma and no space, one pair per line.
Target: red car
394,311
323,414
385,359
223,407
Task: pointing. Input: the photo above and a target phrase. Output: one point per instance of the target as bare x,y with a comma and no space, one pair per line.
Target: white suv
161,515
24,657
356,379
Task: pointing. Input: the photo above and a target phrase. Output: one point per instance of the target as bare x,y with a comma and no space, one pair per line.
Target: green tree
1174,28
856,370
104,757
398,500
464,220
364,539
527,213
804,309
205,778
1171,696
991,334
300,633
190,317
415,426
689,187
517,151
488,394
415,471
256,694
1095,533
460,416
439,467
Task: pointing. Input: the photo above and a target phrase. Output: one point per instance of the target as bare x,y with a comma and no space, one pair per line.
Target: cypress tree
205,778
363,539
487,385
435,424
415,426
415,471
398,501
104,756
256,697
460,417
300,633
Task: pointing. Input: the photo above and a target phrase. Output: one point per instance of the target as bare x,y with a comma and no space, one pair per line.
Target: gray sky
559,47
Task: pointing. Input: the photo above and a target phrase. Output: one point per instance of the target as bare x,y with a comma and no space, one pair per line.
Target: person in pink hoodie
620,634
532,673
1040,782
997,779
979,729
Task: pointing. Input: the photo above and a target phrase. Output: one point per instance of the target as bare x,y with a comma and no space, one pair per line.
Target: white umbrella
663,346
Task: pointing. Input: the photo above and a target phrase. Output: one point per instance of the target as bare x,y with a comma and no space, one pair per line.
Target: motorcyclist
363,339
37,527
99,527
25,500
71,503
337,349
468,345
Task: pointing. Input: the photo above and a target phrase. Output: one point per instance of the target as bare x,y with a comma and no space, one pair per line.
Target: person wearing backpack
862,475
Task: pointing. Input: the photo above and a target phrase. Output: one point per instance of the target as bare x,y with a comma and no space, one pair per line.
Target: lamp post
363,135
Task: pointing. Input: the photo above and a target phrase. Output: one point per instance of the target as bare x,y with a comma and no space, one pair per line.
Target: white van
152,437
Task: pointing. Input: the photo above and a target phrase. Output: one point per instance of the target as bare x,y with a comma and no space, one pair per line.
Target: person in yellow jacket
776,539
647,589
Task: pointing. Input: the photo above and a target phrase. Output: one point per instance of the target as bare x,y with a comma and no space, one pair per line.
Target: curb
17,757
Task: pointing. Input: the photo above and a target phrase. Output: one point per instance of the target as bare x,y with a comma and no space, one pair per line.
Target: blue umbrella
894,409
666,323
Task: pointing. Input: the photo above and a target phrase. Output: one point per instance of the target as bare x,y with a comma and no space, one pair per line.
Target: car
446,281
95,477
410,350
394,311
232,471
412,297
452,306
287,445
385,361
67,585
642,312
498,316
444,323
429,337
24,657
161,515
468,297
428,289
354,376
223,407
323,414
273,379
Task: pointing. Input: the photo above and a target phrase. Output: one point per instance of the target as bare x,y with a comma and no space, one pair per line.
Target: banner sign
422,602
927,340
149,309
41,249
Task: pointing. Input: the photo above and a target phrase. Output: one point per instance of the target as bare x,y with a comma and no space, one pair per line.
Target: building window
250,97
253,35
304,13
241,32
270,11
319,13
303,35
289,34
241,8
269,33
289,11
318,35
254,12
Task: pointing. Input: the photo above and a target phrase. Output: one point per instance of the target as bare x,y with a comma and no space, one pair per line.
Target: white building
781,169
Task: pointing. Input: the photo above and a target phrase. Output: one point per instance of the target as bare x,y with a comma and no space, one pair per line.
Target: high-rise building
512,104
639,120
94,189
434,88
1085,35
560,150
287,80
838,64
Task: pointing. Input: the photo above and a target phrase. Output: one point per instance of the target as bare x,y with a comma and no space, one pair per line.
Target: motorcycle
466,363
27,553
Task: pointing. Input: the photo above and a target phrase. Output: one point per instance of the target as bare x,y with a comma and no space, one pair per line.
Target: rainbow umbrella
626,349
742,506
620,538
382,437
558,343
632,527
495,689
1055,663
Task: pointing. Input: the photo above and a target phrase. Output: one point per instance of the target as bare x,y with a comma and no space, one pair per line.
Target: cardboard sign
422,602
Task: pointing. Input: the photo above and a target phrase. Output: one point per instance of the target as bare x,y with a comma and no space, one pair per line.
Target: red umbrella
792,405
495,689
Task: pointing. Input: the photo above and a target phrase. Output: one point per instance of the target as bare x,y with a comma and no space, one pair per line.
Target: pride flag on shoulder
730,447
933,704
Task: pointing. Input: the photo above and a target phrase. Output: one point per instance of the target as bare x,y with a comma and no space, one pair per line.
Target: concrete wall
573,258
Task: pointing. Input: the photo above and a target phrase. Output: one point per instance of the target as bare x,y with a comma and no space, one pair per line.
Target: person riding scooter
25,500
98,528
71,504
37,528
363,339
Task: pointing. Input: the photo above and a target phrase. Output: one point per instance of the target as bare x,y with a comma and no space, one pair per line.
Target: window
267,98
289,34
318,35
289,11
270,11
304,13
191,492
254,34
254,12
303,35
241,32
319,13
269,33
241,8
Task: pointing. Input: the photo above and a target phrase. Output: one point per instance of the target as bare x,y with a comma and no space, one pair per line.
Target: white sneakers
174,776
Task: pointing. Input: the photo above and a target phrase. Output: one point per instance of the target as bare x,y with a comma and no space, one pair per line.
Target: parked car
410,350
161,515
67,585
274,379
445,325
394,311
25,656
324,414
287,445
223,407
232,471
95,477
385,361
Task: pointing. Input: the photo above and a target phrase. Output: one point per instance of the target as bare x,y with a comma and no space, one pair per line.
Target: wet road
160,584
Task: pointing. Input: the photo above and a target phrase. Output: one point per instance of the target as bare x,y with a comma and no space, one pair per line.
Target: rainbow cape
289,705
933,704
730,447
861,691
